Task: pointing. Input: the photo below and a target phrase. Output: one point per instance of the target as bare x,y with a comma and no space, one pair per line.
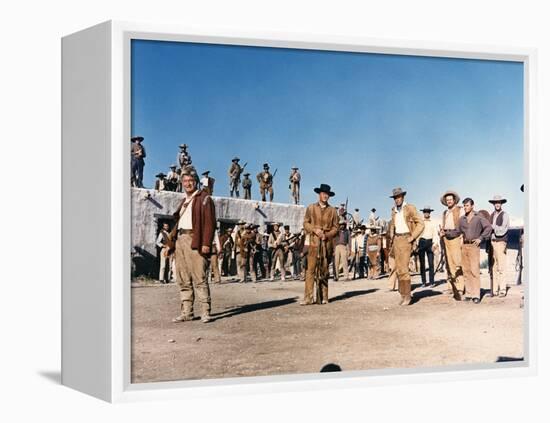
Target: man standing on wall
265,179
138,161
193,235
294,186
321,225
234,172
247,186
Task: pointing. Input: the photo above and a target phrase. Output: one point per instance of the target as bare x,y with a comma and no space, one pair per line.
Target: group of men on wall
196,247
172,180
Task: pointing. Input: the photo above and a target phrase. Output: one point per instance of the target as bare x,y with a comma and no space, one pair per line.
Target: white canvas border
121,388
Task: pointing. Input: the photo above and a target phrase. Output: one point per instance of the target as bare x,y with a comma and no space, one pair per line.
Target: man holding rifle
265,179
321,226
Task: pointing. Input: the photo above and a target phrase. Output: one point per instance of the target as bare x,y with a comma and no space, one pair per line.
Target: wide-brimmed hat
373,227
160,175
286,227
373,210
498,199
136,139
266,166
205,172
427,209
235,159
324,188
396,192
449,192
183,145
173,166
241,222
356,209
246,174
294,167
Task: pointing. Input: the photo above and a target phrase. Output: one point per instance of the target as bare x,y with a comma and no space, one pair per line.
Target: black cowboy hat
246,174
266,165
137,139
324,188
373,210
205,173
160,175
235,159
183,145
286,227
427,209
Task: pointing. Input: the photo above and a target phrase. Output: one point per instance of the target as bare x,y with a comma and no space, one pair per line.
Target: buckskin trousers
191,276
322,270
470,267
453,259
402,250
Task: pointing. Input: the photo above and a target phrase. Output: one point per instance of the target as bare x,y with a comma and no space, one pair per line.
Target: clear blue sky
363,123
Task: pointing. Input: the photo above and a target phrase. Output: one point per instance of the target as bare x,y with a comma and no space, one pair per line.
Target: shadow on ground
424,294
248,308
351,294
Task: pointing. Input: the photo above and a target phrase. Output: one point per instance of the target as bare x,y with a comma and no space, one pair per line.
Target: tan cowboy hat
396,192
449,192
498,199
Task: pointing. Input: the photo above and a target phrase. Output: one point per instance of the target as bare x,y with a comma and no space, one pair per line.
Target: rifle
274,173
519,259
317,278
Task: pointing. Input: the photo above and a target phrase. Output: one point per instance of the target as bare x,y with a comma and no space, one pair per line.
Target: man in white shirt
452,240
426,243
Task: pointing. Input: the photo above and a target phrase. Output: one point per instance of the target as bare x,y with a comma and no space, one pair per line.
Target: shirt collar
398,209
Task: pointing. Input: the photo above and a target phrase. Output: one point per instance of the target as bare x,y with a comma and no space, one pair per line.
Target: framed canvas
330,216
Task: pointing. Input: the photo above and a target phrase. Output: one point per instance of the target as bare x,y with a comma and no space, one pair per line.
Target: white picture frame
96,208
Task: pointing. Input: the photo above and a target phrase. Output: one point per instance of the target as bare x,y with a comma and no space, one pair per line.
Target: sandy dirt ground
260,329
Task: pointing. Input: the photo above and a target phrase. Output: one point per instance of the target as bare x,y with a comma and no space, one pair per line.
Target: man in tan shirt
405,227
452,239
320,226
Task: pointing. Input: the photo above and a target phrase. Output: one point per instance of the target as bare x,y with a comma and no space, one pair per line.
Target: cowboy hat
136,139
427,209
498,199
235,159
183,145
396,192
324,188
449,192
160,175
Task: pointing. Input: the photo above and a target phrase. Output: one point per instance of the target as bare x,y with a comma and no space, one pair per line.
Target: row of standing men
172,180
